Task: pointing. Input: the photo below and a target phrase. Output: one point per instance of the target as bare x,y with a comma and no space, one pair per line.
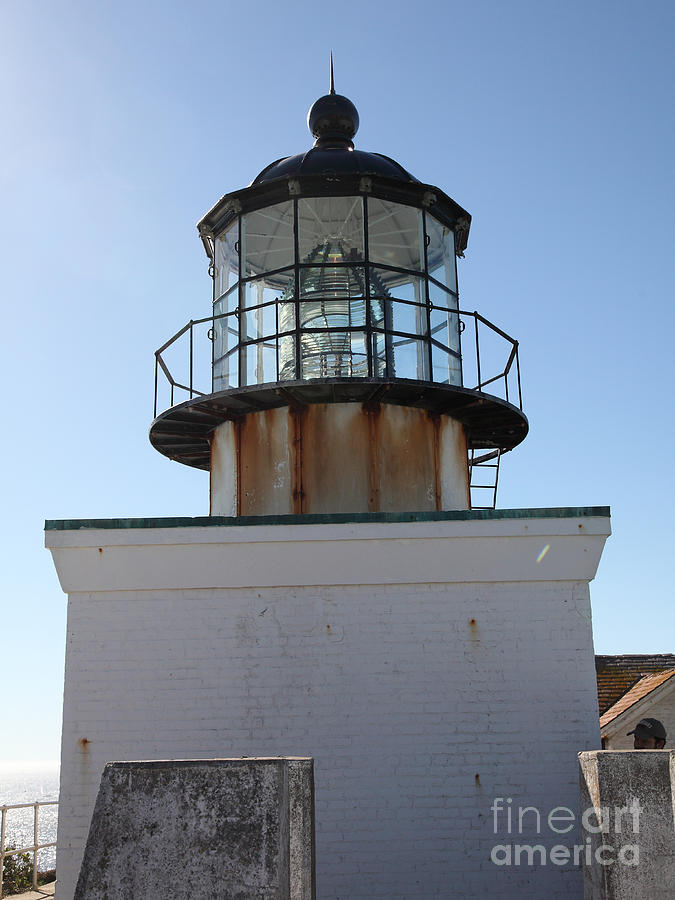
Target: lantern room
335,286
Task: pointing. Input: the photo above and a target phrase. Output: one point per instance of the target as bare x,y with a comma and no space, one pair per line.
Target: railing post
475,322
520,393
2,846
35,844
156,375
191,355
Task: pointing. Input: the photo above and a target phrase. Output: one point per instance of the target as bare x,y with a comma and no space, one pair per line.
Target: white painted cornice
194,557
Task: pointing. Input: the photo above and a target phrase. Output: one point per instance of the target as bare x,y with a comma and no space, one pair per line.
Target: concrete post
226,828
627,819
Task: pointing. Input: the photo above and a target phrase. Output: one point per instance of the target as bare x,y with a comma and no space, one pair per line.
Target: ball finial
333,119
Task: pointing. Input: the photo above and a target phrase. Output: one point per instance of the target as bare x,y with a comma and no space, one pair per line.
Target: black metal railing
489,358
7,852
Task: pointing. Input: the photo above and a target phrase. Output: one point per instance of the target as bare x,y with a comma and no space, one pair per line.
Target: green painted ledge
556,512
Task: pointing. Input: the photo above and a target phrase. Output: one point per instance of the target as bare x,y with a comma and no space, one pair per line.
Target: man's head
648,734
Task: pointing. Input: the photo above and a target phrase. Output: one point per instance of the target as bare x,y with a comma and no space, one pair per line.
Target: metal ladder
484,476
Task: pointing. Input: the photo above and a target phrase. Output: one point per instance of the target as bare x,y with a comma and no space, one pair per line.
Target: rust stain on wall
265,450
374,416
347,457
238,444
297,422
407,479
335,458
435,420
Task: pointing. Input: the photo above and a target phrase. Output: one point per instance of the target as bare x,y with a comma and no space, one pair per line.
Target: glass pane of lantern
446,367
444,318
271,287
325,354
332,313
400,285
226,260
332,281
287,316
330,229
226,371
440,297
409,318
267,240
333,354
287,357
445,328
227,303
439,327
225,338
332,296
395,234
377,305
359,360
441,253
379,355
410,358
261,321
225,335
261,362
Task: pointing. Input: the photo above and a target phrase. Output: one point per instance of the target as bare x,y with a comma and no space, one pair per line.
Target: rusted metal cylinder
338,457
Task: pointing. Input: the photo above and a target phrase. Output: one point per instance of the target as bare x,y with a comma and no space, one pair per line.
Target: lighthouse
345,376
354,594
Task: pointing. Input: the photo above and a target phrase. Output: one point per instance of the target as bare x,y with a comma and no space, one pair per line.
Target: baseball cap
650,728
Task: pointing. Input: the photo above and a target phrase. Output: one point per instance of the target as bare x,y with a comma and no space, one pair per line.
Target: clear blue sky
123,122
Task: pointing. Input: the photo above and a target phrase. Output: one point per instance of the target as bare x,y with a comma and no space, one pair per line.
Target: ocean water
26,784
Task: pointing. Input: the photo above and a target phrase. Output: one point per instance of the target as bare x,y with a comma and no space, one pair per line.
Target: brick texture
419,703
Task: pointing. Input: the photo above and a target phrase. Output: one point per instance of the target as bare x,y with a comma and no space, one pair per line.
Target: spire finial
332,80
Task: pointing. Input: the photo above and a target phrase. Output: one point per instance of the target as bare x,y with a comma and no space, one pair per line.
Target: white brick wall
420,703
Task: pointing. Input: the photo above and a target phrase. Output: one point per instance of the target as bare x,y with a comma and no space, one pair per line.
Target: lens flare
543,553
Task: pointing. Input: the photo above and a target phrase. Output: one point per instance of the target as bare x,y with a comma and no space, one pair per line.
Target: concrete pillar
227,828
628,828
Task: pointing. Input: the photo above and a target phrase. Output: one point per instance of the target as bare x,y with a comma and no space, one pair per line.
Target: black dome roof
338,160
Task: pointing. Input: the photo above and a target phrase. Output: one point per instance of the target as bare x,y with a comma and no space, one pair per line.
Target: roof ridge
637,692
635,656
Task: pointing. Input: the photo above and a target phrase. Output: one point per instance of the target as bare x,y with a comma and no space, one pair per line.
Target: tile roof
617,674
644,686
